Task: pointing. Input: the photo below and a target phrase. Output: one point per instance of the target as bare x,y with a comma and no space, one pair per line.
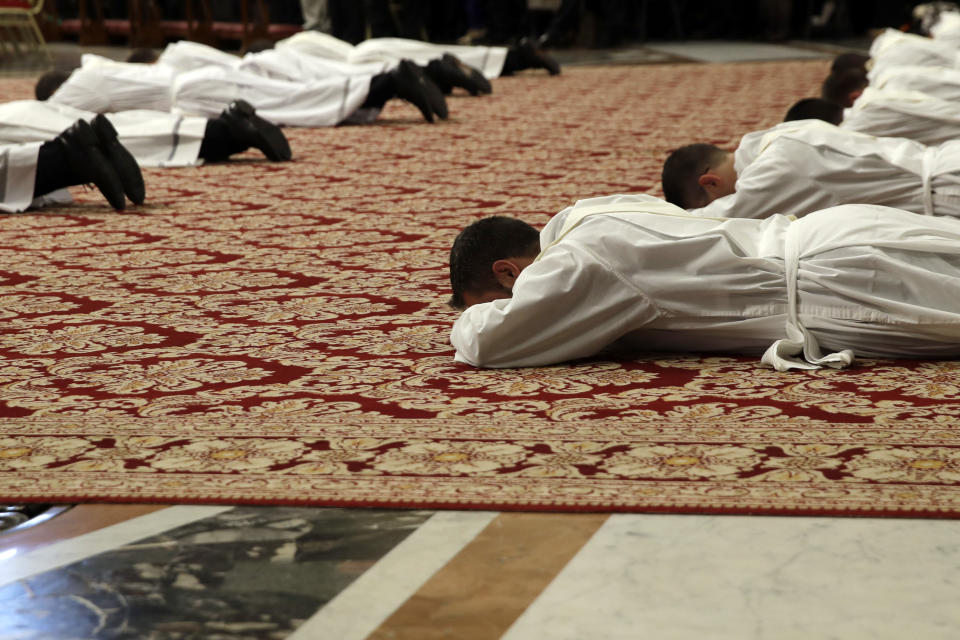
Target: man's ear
708,180
853,95
506,272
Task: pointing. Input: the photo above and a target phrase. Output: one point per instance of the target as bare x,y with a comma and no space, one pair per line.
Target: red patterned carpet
277,333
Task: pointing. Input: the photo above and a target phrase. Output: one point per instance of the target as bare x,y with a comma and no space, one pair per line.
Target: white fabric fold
786,354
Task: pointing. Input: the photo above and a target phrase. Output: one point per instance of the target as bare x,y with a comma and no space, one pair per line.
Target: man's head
487,257
846,61
844,87
697,174
143,55
49,82
815,109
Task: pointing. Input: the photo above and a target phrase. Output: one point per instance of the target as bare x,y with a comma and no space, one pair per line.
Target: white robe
638,274
293,65
154,138
18,172
323,84
904,114
286,63
184,55
894,47
939,82
802,166
488,60
947,29
104,86
312,103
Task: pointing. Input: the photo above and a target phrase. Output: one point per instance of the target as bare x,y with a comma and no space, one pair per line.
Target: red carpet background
277,333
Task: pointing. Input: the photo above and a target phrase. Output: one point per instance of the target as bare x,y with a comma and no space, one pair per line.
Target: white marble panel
363,606
719,577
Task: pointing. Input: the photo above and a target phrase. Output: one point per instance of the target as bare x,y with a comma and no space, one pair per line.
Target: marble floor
306,573
186,572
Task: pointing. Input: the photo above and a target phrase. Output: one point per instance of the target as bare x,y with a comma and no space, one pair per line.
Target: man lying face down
919,103
802,166
896,114
633,273
103,86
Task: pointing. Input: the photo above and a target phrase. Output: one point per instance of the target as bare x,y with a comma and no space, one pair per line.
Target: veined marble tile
479,593
360,608
718,577
15,566
247,572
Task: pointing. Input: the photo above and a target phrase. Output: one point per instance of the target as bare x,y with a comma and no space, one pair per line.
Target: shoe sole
82,148
434,96
421,100
122,160
269,137
273,143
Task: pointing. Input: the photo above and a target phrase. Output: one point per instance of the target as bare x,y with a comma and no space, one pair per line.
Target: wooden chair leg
200,28
40,44
145,28
256,28
49,22
93,31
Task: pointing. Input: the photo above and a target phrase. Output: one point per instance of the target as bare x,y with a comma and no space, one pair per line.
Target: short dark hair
682,170
49,82
846,61
481,244
143,55
838,86
815,109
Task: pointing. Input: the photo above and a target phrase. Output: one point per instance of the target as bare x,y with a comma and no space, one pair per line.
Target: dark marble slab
23,516
250,572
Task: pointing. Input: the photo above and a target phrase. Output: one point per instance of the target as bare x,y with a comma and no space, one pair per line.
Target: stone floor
300,573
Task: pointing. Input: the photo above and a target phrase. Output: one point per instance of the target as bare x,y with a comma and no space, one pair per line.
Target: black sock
53,170
382,88
219,143
513,62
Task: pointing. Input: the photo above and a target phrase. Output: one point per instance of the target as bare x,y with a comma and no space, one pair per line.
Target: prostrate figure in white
801,166
630,273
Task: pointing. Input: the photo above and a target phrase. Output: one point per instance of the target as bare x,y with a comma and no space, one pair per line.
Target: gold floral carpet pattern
277,333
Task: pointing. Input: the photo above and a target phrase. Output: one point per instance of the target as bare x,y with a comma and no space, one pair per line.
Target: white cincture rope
799,350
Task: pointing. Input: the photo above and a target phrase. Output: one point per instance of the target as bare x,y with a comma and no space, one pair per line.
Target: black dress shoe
437,102
244,123
477,78
448,72
89,164
414,86
533,58
123,162
442,76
